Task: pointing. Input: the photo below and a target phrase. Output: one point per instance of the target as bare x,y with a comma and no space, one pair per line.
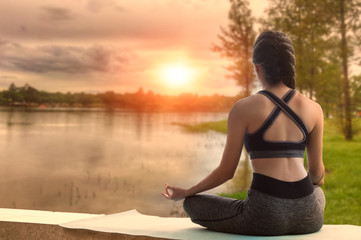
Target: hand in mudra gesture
175,193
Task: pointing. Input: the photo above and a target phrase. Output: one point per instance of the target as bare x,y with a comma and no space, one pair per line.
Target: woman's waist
282,189
286,169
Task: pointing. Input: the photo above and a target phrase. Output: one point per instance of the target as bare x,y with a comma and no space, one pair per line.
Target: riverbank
342,161
28,96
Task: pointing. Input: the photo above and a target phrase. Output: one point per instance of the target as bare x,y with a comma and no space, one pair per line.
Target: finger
168,192
170,187
165,195
166,188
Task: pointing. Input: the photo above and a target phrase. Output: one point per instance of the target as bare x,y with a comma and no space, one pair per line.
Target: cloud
5,81
170,22
3,42
23,28
7,77
56,14
96,6
62,59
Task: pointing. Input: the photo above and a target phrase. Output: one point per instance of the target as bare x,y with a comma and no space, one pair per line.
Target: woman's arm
228,165
314,150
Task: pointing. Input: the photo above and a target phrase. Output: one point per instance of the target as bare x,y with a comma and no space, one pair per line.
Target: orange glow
177,75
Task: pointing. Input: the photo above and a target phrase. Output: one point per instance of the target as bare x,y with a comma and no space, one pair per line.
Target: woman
276,125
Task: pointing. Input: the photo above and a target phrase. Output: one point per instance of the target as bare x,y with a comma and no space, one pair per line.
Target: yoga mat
134,223
41,217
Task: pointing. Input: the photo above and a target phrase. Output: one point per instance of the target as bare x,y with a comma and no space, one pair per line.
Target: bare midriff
285,169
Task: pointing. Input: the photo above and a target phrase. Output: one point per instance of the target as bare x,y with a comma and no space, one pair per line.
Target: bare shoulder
243,106
310,111
308,104
246,108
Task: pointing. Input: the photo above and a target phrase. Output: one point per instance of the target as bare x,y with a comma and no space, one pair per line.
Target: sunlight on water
102,161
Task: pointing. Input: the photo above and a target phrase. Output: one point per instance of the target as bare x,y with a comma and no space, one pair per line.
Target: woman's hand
175,193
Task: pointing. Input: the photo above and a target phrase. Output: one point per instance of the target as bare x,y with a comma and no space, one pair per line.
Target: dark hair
274,52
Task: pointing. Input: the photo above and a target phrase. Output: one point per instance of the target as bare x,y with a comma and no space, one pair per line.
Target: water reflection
101,161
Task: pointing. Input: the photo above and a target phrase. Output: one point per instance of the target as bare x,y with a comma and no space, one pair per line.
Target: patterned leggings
259,214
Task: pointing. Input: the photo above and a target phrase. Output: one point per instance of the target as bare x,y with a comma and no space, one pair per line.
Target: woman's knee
196,204
188,204
320,196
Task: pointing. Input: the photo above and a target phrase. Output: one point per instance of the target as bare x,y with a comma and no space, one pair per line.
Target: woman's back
281,129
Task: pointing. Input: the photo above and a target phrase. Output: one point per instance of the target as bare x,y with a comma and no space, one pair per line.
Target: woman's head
273,51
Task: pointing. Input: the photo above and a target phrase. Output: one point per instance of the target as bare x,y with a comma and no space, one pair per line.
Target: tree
29,93
237,42
325,35
12,87
109,98
13,95
85,99
304,21
329,88
237,45
355,93
346,21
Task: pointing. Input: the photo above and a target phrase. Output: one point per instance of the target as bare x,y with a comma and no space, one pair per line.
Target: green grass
342,187
342,160
237,195
219,126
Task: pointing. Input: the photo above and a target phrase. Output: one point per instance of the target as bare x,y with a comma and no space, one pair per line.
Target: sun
177,75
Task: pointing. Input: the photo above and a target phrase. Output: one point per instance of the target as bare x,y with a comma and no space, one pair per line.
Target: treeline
326,36
28,96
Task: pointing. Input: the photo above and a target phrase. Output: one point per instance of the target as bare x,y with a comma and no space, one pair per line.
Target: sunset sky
119,45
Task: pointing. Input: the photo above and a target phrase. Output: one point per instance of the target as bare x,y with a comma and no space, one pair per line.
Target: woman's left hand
175,193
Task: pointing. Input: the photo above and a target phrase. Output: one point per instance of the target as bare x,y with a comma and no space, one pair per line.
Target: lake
103,161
